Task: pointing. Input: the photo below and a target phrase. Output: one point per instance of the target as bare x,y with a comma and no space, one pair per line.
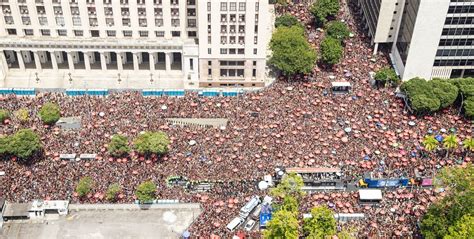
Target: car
249,225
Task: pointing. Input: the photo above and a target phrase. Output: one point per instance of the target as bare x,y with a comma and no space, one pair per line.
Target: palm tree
430,143
468,145
450,142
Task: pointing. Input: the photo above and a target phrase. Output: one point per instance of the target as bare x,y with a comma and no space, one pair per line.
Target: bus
317,178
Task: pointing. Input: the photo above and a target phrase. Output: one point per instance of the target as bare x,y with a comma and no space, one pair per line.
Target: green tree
50,113
4,114
386,76
450,143
24,143
459,201
287,20
152,143
112,192
469,107
118,146
331,51
283,224
146,192
291,185
423,104
464,228
323,9
84,186
291,52
321,224
445,91
430,143
338,30
23,115
468,144
290,204
4,145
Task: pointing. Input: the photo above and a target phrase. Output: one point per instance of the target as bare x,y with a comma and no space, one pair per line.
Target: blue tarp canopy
24,91
173,92
97,92
76,92
152,92
6,91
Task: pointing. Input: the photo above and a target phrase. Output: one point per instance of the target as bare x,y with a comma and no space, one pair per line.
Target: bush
469,107
84,186
465,86
146,192
422,104
287,20
386,76
50,113
22,115
152,143
445,91
112,192
118,146
322,9
338,30
4,145
331,51
4,114
24,144
291,52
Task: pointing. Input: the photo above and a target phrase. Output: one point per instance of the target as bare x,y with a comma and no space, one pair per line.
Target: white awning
370,194
341,84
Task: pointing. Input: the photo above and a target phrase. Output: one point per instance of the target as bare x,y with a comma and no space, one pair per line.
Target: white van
234,223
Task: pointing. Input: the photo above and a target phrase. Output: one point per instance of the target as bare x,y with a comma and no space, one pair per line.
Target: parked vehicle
249,226
234,223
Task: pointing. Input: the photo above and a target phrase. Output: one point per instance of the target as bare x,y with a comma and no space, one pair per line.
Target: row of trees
449,143
145,192
285,223
49,113
426,97
145,144
452,216
23,144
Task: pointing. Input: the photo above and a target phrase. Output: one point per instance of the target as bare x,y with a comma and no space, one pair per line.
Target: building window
143,33
160,33
45,32
159,22
209,72
62,32
240,51
78,33
256,6
175,33
209,63
191,22
233,6
9,20
175,22
11,31
76,21
28,32
192,34
191,64
208,6
223,6
223,51
127,33
60,21
232,51
95,33
255,51
209,51
111,33
254,73
43,21
26,20
241,6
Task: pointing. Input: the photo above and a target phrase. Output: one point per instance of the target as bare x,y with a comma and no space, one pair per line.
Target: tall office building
134,43
428,38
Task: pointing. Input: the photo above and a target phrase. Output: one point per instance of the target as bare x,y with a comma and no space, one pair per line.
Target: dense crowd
298,123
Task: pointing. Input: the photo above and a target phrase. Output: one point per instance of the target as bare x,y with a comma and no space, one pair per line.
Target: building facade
430,38
134,43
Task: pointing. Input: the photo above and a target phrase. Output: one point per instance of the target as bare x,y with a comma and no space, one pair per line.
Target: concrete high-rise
134,43
428,38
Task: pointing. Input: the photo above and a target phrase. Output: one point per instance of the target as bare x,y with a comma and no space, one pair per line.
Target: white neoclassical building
134,43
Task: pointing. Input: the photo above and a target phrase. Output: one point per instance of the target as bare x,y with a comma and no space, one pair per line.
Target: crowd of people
296,123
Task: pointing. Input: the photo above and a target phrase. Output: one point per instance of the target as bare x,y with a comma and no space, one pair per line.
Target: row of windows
457,31
95,33
455,52
233,6
464,62
461,9
456,42
459,20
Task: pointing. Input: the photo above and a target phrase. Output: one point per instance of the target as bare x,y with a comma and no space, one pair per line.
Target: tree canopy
118,146
112,192
464,228
450,211
50,113
23,144
284,224
146,192
290,185
287,20
445,91
331,51
152,143
321,224
84,186
4,114
323,9
291,52
338,30
386,76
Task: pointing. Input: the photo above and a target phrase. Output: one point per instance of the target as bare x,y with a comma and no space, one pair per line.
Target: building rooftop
16,209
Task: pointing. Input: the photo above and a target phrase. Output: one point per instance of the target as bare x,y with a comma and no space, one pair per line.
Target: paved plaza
165,221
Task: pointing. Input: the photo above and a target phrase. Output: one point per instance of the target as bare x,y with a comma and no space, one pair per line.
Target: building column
135,61
37,61
119,61
168,61
103,62
21,63
87,61
152,61
70,61
54,61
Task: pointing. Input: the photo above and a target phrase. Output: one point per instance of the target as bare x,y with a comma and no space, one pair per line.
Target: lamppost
70,79
119,79
37,78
